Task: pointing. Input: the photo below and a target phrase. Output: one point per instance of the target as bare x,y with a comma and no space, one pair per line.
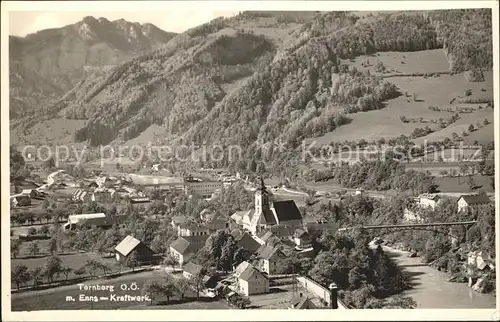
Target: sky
22,23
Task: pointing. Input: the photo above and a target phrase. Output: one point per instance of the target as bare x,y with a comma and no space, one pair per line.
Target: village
256,244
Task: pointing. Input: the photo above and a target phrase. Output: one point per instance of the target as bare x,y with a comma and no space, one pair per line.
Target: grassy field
429,61
55,298
459,184
482,135
75,261
54,131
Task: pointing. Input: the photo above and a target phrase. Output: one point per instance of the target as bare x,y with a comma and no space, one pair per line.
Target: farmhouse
131,246
302,238
184,247
87,220
191,269
267,258
473,202
20,200
269,214
249,280
33,193
429,200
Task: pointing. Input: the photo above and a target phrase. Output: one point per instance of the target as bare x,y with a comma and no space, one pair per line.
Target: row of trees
52,270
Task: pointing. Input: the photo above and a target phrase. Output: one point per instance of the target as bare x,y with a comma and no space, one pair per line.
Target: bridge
420,226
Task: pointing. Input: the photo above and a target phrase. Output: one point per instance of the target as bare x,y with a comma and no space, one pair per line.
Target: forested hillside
245,79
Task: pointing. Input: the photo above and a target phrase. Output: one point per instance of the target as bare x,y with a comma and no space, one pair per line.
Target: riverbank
431,290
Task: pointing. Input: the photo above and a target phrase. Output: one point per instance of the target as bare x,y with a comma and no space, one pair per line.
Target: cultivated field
437,91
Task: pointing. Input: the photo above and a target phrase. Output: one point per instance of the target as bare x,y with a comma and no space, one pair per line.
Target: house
101,181
267,258
473,202
192,229
249,280
80,195
266,237
302,238
205,189
184,247
32,193
302,302
247,242
216,223
20,200
87,220
130,245
191,269
177,221
269,214
428,200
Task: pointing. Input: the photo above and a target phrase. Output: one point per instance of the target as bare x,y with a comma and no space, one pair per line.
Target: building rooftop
192,268
127,245
188,244
74,219
476,199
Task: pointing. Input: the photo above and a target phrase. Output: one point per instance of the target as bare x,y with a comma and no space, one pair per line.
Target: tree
16,163
53,267
53,245
399,302
80,271
15,245
153,289
170,261
66,271
197,281
470,128
33,248
470,182
454,136
20,275
486,122
36,275
49,164
182,286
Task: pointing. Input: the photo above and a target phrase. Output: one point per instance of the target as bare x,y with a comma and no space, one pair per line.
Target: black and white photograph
249,158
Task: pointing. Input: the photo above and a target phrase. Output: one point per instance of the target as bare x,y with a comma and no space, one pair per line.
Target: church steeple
261,198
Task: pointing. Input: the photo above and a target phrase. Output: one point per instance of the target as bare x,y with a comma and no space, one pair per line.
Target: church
269,214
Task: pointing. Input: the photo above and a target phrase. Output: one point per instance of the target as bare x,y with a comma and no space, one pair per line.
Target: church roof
286,210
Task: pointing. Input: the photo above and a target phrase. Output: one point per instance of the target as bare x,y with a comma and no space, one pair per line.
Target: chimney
333,296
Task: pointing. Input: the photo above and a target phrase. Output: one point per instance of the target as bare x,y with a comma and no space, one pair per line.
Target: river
431,290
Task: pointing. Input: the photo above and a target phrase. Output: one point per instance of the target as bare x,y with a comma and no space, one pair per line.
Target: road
431,290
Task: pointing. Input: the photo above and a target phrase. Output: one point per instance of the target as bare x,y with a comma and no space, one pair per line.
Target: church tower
262,203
